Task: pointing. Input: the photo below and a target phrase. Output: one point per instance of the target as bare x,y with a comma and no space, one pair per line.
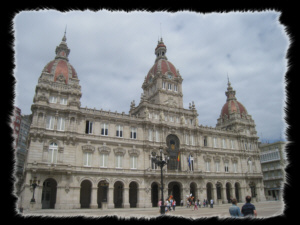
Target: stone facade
89,158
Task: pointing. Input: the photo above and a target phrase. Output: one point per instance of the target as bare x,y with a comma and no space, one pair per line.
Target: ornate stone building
89,158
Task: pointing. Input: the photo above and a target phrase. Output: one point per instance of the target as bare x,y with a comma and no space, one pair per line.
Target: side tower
234,115
55,108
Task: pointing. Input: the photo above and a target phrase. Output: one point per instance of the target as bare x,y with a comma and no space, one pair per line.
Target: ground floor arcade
58,192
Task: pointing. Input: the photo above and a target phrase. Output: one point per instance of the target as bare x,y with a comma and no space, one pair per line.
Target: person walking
159,205
199,203
195,205
248,209
211,203
174,204
204,203
234,210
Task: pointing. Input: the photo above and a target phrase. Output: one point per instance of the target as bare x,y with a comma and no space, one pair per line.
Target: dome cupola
162,65
60,66
232,106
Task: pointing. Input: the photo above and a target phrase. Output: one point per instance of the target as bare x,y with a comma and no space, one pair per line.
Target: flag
189,160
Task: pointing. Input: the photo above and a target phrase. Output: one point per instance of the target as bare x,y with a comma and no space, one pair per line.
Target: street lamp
161,162
34,183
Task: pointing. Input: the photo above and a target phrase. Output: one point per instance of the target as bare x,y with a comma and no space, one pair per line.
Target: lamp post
161,162
34,183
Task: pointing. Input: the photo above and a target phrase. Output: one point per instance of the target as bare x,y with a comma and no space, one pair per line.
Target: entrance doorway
49,194
154,194
118,194
133,194
102,193
174,190
85,194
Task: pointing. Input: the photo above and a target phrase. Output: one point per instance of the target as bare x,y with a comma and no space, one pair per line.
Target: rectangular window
164,85
87,157
104,129
157,136
215,142
226,167
61,124
89,127
133,133
232,144
50,122
192,140
52,155
133,162
63,101
171,119
235,167
207,166
169,87
205,141
153,164
150,135
119,131
103,160
217,167
187,139
224,143
53,99
119,161
175,88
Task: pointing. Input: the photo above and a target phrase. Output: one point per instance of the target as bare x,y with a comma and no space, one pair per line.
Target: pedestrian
187,203
181,202
195,205
167,205
199,203
171,204
234,210
174,204
211,203
159,205
204,203
248,209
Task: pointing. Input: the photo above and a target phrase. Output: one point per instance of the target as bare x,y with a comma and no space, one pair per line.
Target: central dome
161,65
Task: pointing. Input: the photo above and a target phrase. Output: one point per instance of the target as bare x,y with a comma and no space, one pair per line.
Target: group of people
197,203
247,210
170,204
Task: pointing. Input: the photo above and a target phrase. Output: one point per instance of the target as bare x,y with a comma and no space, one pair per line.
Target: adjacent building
89,158
273,161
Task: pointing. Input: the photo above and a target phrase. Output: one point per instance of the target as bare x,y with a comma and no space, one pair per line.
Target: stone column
224,196
94,203
110,198
126,197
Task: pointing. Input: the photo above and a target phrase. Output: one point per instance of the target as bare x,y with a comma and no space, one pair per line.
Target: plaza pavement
265,209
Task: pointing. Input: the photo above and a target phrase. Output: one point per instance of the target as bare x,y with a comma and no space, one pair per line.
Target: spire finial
64,38
160,32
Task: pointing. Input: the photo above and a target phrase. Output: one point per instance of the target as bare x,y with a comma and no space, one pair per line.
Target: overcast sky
112,53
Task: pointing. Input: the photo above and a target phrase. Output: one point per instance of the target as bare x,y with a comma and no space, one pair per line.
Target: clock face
170,76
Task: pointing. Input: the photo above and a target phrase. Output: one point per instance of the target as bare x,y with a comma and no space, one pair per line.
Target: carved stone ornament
104,149
119,151
134,152
88,148
61,78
